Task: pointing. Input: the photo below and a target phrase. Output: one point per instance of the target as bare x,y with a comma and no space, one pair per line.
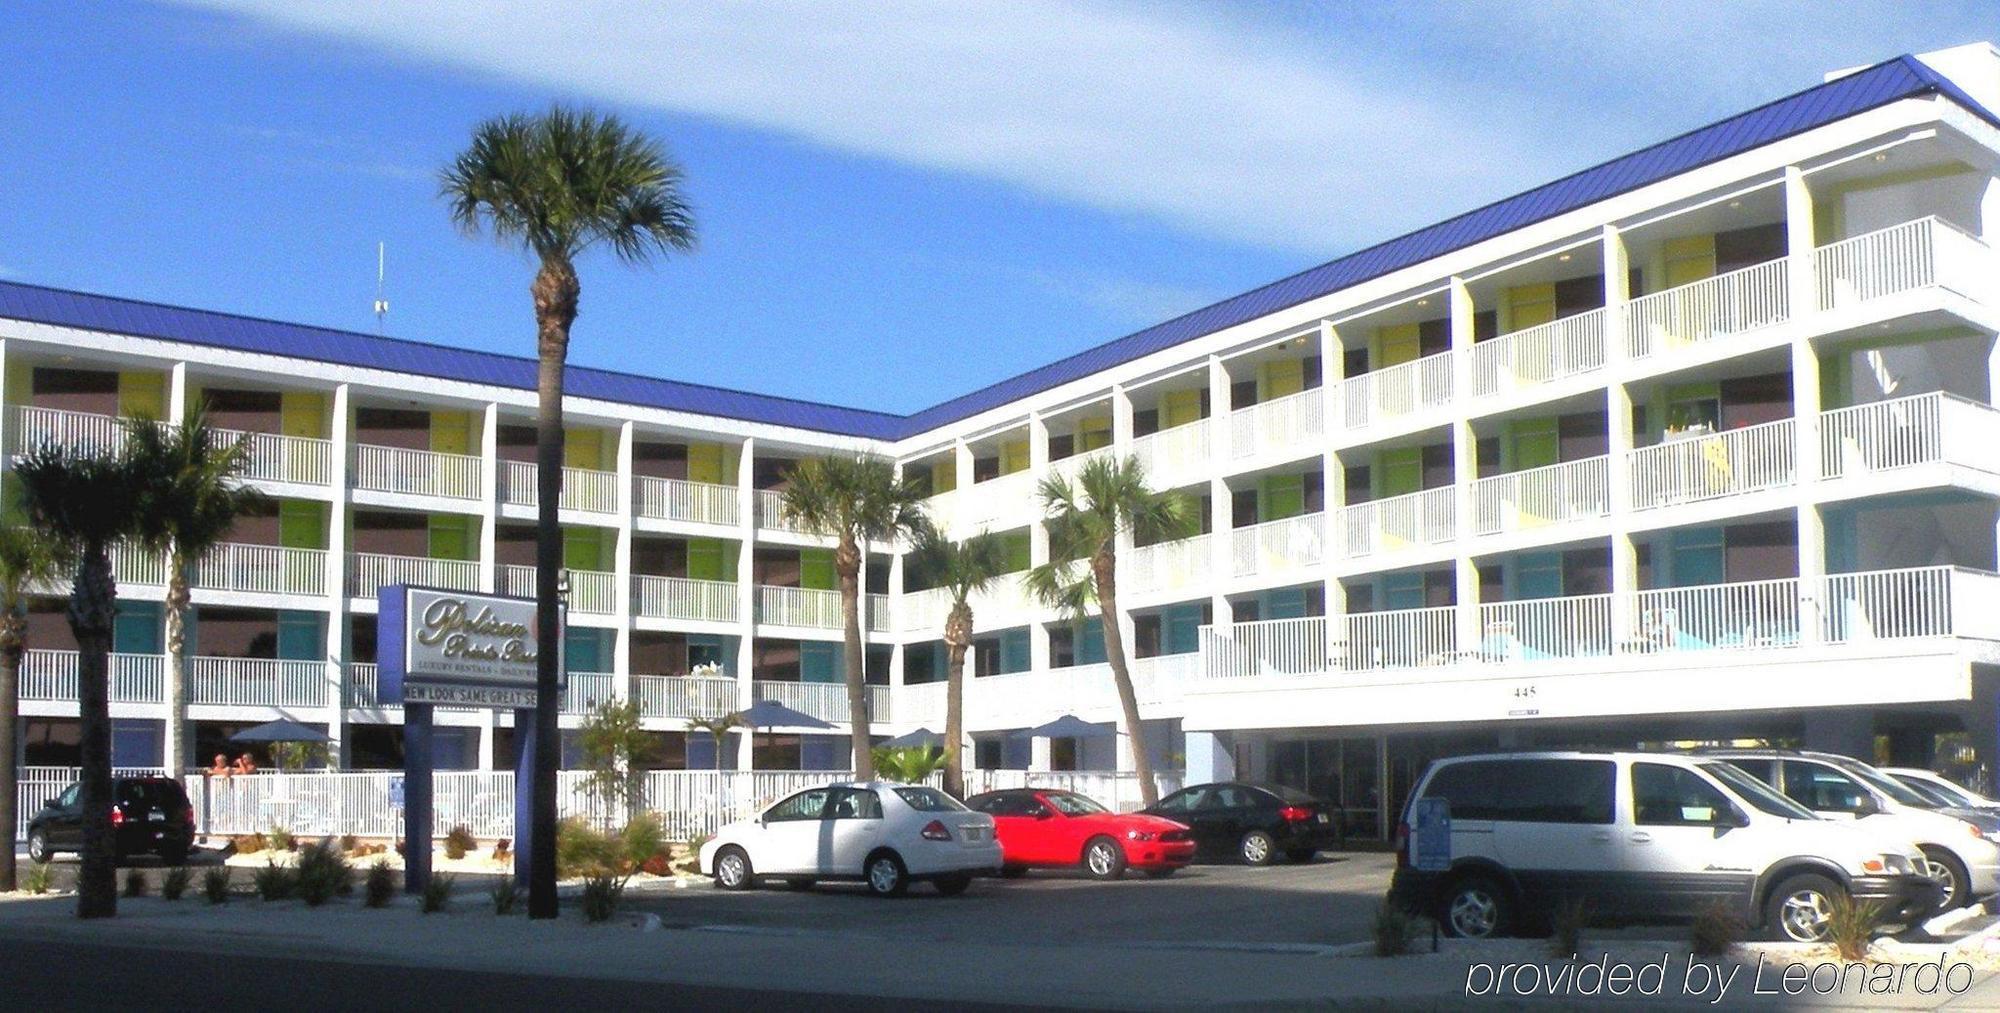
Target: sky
897,202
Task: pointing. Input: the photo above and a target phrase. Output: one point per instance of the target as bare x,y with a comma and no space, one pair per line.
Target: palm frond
191,492
963,569
858,498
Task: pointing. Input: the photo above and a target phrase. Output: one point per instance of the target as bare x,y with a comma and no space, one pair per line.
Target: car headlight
1140,835
1888,865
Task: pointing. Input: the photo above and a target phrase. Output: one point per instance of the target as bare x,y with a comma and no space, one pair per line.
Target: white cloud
1309,129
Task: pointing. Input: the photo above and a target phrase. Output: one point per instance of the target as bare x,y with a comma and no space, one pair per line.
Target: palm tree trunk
93,605
555,291
1104,568
957,637
175,759
13,631
847,560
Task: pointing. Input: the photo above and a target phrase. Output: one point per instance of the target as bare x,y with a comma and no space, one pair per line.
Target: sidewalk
470,937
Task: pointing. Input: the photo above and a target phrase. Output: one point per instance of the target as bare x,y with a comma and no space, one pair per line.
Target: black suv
148,814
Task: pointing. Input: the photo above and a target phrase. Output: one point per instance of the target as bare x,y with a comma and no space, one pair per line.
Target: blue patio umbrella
772,714
281,730
922,737
1069,726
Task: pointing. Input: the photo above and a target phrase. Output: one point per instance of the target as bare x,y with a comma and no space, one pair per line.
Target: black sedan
148,814
1254,822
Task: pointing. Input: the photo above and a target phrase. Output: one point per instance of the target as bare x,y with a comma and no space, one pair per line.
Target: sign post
459,649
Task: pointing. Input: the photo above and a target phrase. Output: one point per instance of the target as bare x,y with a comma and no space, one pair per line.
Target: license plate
156,817
1322,817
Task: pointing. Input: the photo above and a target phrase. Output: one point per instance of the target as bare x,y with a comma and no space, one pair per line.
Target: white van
1958,844
1643,837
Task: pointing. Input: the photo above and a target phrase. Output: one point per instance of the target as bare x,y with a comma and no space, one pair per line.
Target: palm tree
1110,497
556,185
963,569
84,500
192,498
717,727
908,764
26,560
854,500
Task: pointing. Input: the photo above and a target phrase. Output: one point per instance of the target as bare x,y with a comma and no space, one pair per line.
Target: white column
1333,484
1038,753
621,576
7,408
1464,468
488,723
746,591
340,453
489,497
1620,438
1805,403
1038,541
1121,445
177,394
1222,450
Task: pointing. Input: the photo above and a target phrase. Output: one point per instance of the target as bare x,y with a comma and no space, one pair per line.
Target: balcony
683,598
584,691
369,572
992,503
296,460
1909,432
231,566
1174,456
1072,466
38,427
1708,466
826,701
1169,566
50,677
410,472
771,514
1700,312
1412,520
583,489
1278,546
677,697
1539,497
1841,610
927,610
672,499
1023,699
1571,346
362,680
1405,389
591,592
257,682
1921,254
803,607
1283,426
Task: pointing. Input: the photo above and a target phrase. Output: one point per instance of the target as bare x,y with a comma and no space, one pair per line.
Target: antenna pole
381,304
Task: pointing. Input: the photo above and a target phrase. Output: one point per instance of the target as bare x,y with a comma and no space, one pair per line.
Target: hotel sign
457,648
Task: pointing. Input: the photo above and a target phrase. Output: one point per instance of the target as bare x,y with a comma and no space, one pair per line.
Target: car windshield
1935,792
1888,785
928,800
1073,805
1756,792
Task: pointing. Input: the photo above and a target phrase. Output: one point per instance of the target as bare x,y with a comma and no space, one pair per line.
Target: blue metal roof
1863,90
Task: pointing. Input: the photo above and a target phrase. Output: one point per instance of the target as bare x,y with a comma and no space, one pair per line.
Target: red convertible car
1045,828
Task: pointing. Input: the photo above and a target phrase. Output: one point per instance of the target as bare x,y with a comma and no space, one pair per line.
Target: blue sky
897,203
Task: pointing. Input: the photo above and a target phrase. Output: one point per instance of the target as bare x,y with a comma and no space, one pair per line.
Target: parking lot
1330,900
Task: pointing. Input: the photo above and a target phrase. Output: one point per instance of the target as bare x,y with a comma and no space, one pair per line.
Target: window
1528,791
1071,805
852,804
68,797
1471,789
1011,803
1823,789
1664,796
1763,770
806,805
928,800
1187,800
1231,796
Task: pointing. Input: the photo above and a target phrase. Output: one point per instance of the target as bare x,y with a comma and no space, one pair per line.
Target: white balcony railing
1398,390
1088,691
1169,566
257,682
1414,519
417,472
1909,431
683,696
369,572
1172,456
1072,466
362,681
584,691
301,460
1281,425
826,701
1004,498
1707,466
1276,546
1519,631
876,614
591,592
1402,638
1571,346
1925,253
672,499
50,676
806,607
684,598
35,426
1702,311
583,489
927,609
771,513
262,569
1538,497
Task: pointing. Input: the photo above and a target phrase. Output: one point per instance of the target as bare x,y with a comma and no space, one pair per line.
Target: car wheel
886,875
952,886
1257,848
801,885
1302,855
1799,909
732,869
1013,871
1103,858
1476,908
38,846
1160,873
1945,867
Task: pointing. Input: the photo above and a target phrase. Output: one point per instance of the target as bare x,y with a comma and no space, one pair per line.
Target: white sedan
885,835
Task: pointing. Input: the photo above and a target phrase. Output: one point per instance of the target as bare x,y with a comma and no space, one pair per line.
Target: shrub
459,843
135,882
215,884
1394,928
250,844
1849,925
582,850
1568,921
437,893
502,846
657,864
36,880
349,843
323,872
175,882
641,839
282,840
380,886
276,882
601,894
505,894
1717,929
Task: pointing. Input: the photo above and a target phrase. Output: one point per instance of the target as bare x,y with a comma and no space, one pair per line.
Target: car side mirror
1730,819
1867,807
